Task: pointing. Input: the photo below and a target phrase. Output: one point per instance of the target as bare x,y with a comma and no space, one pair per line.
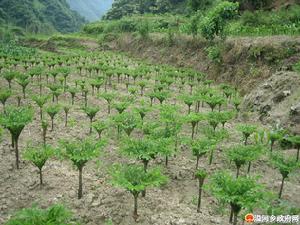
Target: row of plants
190,111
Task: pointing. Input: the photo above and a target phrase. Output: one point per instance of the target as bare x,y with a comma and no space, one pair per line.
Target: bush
214,23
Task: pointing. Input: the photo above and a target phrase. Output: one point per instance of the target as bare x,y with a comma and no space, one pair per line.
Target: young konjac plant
80,152
55,214
285,166
295,140
38,156
108,97
100,126
201,147
5,94
91,113
15,119
247,130
40,100
134,179
52,111
242,154
200,174
240,193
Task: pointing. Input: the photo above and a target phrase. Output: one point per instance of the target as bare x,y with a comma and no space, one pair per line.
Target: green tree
135,180
214,22
14,120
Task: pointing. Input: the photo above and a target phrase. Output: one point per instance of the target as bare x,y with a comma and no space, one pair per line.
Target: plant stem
281,187
80,183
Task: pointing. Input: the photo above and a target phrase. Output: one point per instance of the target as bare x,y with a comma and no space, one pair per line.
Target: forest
149,112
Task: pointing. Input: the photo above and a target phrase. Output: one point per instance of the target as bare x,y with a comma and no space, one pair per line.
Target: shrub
214,23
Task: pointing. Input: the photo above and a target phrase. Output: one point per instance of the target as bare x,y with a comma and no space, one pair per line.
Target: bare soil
173,204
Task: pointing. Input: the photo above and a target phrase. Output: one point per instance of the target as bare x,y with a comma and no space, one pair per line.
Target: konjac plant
285,165
80,152
52,110
38,156
239,193
55,214
295,140
134,179
40,100
5,94
200,174
247,130
15,119
91,112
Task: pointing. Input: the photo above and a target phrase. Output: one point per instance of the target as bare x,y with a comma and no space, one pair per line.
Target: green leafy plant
80,152
242,154
285,166
5,94
52,110
135,180
15,119
40,100
38,156
55,214
295,140
200,174
108,97
100,126
91,112
240,193
247,130
194,119
214,22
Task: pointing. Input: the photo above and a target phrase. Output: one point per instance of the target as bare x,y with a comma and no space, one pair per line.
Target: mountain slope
92,10
40,15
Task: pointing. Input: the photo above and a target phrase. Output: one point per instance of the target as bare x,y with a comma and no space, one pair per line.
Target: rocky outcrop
277,100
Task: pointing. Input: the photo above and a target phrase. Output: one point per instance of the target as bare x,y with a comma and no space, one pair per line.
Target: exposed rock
274,100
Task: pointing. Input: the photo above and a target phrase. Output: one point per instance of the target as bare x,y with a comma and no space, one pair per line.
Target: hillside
92,10
40,16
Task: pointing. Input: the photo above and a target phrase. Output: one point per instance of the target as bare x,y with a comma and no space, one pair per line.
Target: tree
38,156
200,174
196,5
214,22
80,152
55,214
91,113
240,193
134,179
15,119
52,111
5,94
285,166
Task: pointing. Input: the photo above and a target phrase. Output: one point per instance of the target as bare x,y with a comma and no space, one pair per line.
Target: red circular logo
249,218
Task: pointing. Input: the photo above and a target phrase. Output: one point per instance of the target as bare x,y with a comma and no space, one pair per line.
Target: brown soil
173,204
